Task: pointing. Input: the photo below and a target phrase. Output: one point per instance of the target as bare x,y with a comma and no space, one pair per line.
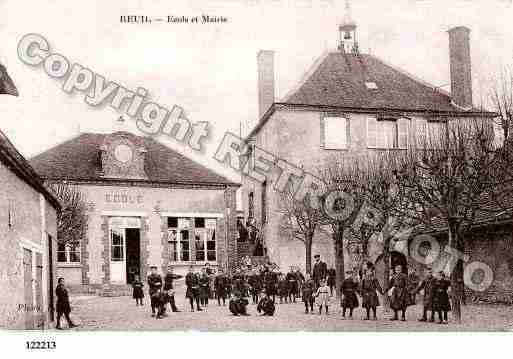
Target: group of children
264,282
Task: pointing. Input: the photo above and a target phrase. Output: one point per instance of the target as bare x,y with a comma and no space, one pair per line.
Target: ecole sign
124,198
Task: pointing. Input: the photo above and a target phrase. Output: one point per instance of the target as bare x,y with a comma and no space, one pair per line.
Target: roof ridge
412,76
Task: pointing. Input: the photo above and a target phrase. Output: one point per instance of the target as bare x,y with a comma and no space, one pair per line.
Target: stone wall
22,225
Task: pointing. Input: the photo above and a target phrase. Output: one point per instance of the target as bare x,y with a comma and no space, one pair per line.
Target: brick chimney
459,56
265,59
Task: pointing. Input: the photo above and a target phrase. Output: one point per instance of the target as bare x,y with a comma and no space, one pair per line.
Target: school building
146,205
351,103
28,235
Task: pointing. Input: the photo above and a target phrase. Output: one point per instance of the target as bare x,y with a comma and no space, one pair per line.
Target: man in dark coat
192,283
204,287
428,285
221,285
63,307
266,305
441,302
400,297
319,271
271,284
168,287
293,284
369,289
154,287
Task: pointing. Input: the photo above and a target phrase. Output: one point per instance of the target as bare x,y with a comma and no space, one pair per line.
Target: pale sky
210,69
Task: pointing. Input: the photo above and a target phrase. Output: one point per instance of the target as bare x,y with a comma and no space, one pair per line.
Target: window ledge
188,263
335,149
69,265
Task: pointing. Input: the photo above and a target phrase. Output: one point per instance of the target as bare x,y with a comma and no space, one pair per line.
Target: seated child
266,305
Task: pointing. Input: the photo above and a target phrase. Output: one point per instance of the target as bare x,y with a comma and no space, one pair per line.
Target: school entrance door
125,249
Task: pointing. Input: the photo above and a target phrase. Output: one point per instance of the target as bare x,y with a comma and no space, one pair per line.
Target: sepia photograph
255,167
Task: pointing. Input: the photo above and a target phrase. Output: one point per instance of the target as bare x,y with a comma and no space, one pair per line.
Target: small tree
72,220
301,220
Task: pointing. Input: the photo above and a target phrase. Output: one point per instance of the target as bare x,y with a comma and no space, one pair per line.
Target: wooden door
39,310
27,281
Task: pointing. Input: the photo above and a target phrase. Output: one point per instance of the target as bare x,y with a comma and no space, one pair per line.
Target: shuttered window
336,133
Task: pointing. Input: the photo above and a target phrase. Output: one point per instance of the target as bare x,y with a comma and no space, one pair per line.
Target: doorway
28,289
133,254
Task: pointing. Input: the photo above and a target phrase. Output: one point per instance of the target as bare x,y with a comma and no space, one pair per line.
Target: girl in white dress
322,296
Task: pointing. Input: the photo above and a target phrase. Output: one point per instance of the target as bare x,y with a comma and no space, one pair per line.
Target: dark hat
317,256
153,267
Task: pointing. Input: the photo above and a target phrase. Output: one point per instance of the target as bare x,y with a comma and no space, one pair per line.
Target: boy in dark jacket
348,290
308,293
154,284
137,293
283,289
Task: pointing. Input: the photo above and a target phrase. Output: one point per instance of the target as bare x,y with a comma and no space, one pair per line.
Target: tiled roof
78,160
339,80
10,156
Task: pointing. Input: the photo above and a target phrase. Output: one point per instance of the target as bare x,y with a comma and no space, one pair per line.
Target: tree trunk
338,241
386,272
457,287
308,249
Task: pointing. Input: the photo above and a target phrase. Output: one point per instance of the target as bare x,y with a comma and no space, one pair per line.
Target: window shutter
372,132
421,130
335,133
402,132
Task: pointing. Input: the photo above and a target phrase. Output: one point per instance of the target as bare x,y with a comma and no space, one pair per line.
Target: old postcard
255,166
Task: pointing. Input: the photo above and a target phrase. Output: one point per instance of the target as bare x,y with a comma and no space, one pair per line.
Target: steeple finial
347,32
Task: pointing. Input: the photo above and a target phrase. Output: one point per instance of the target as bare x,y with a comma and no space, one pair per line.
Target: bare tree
385,197
343,177
445,183
301,220
72,220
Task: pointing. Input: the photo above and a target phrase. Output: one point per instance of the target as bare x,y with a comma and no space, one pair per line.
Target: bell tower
347,33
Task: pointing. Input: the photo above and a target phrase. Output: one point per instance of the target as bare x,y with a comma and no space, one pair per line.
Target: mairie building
146,205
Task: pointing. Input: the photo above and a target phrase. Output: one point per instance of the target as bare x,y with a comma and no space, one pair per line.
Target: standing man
428,285
319,271
400,297
192,283
292,285
204,287
221,287
154,288
63,307
168,287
